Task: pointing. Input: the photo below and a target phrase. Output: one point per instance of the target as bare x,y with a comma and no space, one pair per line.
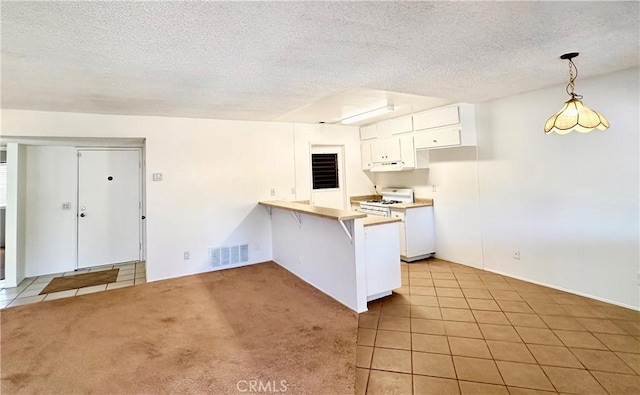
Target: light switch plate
157,176
66,205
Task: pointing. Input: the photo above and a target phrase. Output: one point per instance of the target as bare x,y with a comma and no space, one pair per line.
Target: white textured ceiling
287,60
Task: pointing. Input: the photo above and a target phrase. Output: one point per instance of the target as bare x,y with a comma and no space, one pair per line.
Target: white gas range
390,196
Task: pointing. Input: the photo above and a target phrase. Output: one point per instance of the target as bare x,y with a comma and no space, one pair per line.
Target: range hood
387,166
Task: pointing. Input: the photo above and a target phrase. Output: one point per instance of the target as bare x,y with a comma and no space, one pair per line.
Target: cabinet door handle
435,141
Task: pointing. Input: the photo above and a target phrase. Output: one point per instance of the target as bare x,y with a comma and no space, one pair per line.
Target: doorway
109,206
327,176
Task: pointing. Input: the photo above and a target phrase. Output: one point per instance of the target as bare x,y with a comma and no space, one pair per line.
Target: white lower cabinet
382,256
417,236
365,155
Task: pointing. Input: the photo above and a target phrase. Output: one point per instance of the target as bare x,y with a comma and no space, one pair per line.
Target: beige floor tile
605,361
554,356
579,339
27,300
93,289
490,317
499,332
429,343
391,360
514,307
467,347
598,325
45,279
463,315
362,379
400,310
393,339
548,308
619,313
443,276
526,320
366,337
445,283
560,322
456,303
539,336
573,381
483,304
633,360
479,370
368,321
619,383
437,365
30,292
61,294
631,327
425,385
393,323
505,295
433,327
413,275
583,311
384,383
535,297
8,297
469,388
471,284
424,300
125,277
477,294
426,312
120,284
449,292
524,375
619,342
462,329
373,307
396,298
498,286
426,291
100,269
527,391
420,282
510,351
467,276
569,299
363,356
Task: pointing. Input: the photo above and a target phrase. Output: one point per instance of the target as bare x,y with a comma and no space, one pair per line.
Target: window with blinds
324,169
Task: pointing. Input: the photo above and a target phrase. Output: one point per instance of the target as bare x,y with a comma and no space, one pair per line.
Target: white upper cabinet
436,118
386,150
395,126
407,152
369,132
365,152
453,126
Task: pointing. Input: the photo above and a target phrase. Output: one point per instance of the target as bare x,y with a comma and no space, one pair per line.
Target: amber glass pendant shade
575,116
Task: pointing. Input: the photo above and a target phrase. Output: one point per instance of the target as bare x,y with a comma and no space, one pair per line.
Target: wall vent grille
228,255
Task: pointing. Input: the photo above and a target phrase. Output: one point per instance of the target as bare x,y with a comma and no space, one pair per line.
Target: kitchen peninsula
345,254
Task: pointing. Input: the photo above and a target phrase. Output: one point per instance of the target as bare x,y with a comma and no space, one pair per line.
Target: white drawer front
437,138
397,214
436,118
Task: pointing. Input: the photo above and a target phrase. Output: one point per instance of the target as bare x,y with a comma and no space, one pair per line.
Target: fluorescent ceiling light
367,115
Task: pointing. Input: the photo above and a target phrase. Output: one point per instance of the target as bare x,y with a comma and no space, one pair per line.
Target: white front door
109,207
327,176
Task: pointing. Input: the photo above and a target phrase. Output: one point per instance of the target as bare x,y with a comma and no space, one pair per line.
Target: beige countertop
378,220
363,198
324,212
417,203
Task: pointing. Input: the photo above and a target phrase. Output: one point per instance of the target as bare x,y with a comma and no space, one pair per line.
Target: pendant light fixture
574,115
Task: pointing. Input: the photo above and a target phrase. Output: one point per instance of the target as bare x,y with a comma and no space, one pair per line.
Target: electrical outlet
433,188
157,176
66,206
187,255
515,254
273,192
293,190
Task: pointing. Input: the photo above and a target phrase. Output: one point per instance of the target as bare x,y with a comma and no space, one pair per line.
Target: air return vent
228,256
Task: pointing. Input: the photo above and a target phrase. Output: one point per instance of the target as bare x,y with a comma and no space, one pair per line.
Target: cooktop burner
384,201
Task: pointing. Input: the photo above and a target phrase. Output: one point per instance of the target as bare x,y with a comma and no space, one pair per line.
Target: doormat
66,283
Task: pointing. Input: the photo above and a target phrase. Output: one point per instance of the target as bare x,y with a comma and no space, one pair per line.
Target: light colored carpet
207,333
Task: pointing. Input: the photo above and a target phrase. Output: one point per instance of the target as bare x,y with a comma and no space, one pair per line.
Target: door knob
83,215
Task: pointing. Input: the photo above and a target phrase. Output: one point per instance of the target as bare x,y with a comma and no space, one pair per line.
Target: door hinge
139,204
79,154
140,246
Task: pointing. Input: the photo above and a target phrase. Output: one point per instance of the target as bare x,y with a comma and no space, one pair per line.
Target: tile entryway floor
453,329
27,292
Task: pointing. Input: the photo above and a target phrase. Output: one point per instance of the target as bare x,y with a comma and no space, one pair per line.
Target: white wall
357,181
214,171
568,203
16,214
50,231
